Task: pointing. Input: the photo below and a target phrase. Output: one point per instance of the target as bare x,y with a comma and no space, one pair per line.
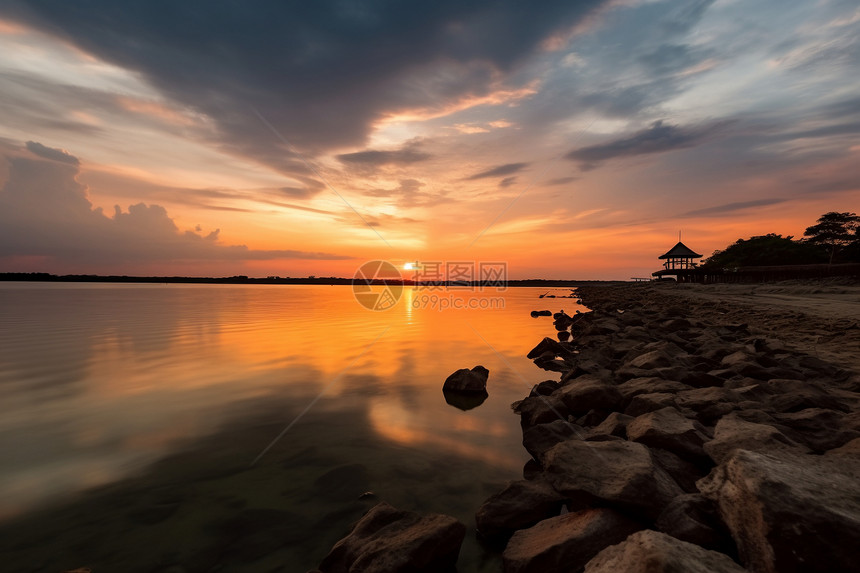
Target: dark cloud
658,138
841,109
731,207
60,155
320,73
826,131
671,58
561,181
44,212
409,194
508,181
684,16
499,171
409,153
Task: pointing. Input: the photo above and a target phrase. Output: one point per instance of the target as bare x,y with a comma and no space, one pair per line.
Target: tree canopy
835,237
766,250
834,231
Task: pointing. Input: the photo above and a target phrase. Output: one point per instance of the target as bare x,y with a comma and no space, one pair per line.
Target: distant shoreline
245,280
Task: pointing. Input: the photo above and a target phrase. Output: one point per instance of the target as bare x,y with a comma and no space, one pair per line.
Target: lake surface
133,419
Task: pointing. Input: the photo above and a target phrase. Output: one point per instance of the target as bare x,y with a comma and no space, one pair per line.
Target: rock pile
677,439
672,440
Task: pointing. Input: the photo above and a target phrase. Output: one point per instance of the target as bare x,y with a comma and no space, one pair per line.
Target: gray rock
619,473
790,513
668,429
519,505
733,433
588,393
387,540
547,345
644,403
567,542
796,395
540,410
472,381
852,448
819,428
683,472
541,437
649,385
655,552
709,403
615,424
692,518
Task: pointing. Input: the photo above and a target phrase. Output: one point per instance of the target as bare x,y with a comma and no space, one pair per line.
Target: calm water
131,415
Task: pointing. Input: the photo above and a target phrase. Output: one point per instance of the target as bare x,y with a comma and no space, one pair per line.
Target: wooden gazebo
679,262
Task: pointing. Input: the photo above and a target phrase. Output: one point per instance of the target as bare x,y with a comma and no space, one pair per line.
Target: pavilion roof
680,251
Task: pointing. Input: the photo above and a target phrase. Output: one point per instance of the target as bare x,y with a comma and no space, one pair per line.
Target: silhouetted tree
834,231
765,250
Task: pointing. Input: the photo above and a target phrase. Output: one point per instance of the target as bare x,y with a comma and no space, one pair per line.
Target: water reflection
98,382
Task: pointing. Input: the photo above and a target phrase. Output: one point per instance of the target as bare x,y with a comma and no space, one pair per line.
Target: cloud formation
658,138
732,207
321,73
409,153
45,213
60,155
499,171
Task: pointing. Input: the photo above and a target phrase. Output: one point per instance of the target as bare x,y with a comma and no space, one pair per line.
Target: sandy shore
822,319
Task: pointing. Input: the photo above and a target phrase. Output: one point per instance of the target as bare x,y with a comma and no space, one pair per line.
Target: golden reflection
396,424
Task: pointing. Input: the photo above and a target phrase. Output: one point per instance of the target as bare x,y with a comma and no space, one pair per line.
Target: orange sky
571,144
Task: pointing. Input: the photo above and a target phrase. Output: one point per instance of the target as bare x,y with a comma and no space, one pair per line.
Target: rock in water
472,381
653,552
790,512
566,542
387,540
520,505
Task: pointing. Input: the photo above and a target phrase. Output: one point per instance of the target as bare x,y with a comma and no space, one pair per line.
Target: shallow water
130,416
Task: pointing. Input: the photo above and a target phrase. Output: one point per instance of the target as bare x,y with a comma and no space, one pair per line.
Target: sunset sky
570,139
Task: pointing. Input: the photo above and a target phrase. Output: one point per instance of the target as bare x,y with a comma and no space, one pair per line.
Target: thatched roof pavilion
679,261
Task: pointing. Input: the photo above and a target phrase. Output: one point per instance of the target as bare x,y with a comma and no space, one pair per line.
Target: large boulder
519,505
654,552
796,395
818,428
668,429
733,433
567,542
540,410
692,518
547,345
618,473
541,437
589,393
472,381
387,540
685,473
615,424
790,512
644,403
649,385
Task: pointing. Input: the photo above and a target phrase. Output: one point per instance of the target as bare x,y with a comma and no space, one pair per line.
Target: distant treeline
833,239
242,279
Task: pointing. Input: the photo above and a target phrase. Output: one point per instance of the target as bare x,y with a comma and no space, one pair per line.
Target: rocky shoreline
674,438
